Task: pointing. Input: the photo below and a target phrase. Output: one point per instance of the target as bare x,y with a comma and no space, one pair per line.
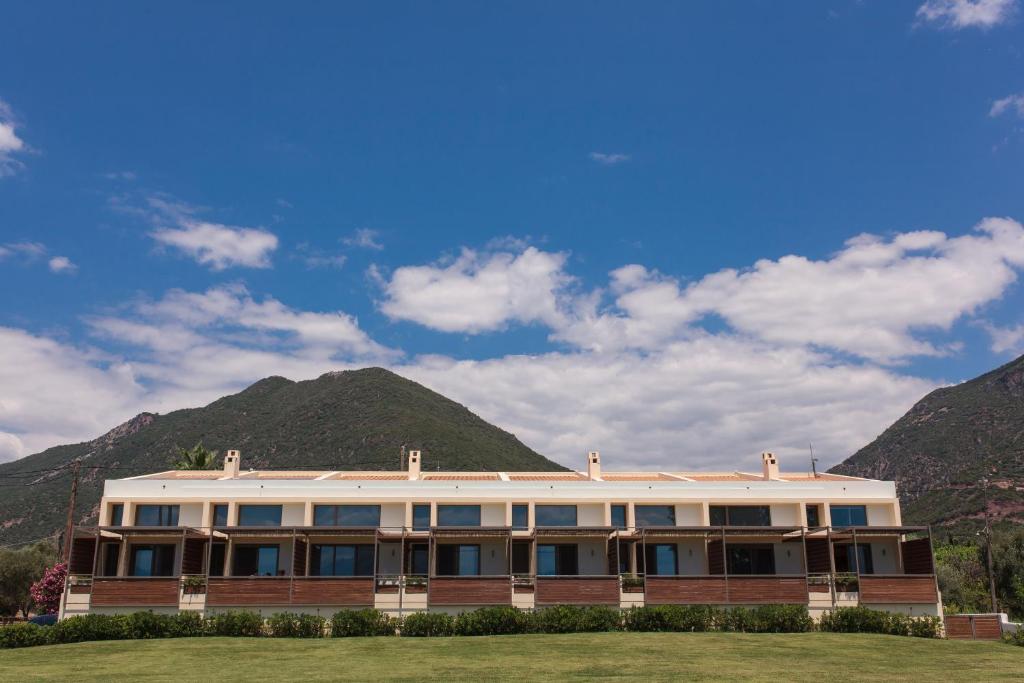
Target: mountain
958,455
343,420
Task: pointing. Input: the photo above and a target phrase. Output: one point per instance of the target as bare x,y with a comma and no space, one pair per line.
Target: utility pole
69,528
988,564
401,460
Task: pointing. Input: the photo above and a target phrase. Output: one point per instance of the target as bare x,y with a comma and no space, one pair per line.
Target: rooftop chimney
232,463
414,464
769,466
593,465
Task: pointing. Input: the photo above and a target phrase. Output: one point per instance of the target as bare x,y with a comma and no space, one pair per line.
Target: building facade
416,540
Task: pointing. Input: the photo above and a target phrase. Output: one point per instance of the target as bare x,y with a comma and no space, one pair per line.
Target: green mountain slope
344,420
958,455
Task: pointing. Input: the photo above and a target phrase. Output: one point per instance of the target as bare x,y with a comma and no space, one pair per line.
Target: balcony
138,591
577,590
469,590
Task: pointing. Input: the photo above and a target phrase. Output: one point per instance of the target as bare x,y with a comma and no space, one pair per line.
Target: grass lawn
652,656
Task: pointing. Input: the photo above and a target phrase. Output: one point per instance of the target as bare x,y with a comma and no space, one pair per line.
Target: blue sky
639,229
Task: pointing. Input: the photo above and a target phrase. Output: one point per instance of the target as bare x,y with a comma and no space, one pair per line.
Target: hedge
488,621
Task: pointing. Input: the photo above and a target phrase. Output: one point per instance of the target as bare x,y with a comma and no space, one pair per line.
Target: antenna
814,461
401,459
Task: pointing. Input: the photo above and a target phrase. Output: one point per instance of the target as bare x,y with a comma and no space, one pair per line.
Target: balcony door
458,560
558,559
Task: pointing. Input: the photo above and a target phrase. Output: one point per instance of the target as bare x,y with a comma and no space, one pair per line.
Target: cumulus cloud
62,264
1006,339
959,14
479,292
220,246
364,238
607,159
1011,103
10,144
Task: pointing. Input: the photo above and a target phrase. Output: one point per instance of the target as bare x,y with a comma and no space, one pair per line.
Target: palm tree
195,458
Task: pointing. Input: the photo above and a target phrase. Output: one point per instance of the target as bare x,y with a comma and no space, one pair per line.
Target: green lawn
652,656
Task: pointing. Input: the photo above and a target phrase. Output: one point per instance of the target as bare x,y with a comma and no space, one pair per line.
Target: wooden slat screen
917,557
716,561
83,554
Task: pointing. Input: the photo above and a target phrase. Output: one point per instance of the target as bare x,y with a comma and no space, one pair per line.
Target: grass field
644,656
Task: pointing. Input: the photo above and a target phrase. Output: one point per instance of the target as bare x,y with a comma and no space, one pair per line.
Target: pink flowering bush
46,592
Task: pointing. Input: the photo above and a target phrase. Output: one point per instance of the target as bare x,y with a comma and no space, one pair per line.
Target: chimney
769,466
593,465
232,463
414,464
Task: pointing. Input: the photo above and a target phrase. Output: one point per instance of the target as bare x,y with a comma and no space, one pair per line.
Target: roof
538,477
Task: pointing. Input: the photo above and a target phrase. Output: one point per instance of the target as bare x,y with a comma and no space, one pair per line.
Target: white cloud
1006,339
127,176
364,238
220,246
1011,103
10,143
62,264
479,292
28,250
315,258
607,159
958,14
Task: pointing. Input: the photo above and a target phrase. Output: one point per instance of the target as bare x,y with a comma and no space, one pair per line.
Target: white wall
492,514
493,560
887,563
785,515
688,515
293,514
392,515
389,557
590,514
880,515
691,557
593,557
190,514
793,563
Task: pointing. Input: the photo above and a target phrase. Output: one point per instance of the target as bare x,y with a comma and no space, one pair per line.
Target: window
458,560
259,515
109,556
662,559
117,514
341,560
655,515
751,559
625,555
520,557
520,516
619,516
217,555
741,515
220,515
555,515
849,515
346,515
558,560
812,515
418,559
420,517
458,515
256,560
156,515
848,561
152,560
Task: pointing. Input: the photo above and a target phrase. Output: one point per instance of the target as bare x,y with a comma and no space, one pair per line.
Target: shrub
48,591
289,625
572,619
493,621
683,618
89,627
144,625
352,623
420,624
782,619
927,627
865,620
235,624
1015,638
186,625
23,635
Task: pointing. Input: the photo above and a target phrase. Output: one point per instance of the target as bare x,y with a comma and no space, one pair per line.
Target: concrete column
307,514
508,513
607,514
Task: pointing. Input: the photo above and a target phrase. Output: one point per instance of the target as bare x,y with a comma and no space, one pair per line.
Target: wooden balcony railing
469,590
878,589
685,590
237,591
731,590
577,590
141,591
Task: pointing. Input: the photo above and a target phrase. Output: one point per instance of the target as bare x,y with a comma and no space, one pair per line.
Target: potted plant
632,583
193,585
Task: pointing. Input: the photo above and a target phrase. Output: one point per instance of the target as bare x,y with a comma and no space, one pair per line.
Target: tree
195,458
47,591
1008,568
19,569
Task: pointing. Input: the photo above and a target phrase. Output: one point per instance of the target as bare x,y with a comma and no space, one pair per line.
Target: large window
220,514
741,515
558,560
218,552
849,515
458,515
346,515
342,560
458,560
156,515
619,516
520,516
152,560
555,515
109,556
848,560
117,514
418,559
259,515
655,515
662,559
520,557
754,558
256,560
420,517
812,515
